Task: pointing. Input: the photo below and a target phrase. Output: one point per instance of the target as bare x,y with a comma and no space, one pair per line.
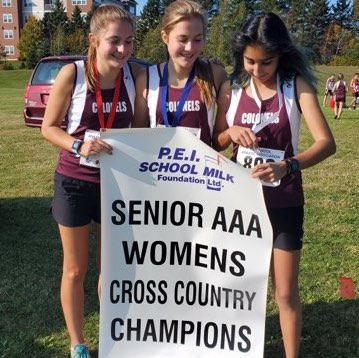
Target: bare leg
285,271
98,258
340,110
75,262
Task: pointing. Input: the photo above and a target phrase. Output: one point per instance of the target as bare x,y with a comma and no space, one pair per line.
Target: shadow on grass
330,330
32,324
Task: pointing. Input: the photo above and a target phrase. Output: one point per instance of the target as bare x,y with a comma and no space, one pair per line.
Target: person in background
272,88
182,91
329,84
354,85
340,90
93,94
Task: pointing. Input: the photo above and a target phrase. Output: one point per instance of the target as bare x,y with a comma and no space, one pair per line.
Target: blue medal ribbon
184,95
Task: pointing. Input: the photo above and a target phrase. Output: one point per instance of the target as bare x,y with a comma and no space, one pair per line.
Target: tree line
329,34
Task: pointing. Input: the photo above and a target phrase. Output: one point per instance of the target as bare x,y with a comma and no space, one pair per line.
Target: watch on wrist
76,146
292,165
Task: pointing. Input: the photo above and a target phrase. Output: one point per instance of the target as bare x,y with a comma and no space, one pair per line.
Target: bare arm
56,109
141,115
323,141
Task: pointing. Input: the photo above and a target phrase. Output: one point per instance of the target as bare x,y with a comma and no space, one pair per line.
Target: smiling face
114,45
260,64
184,42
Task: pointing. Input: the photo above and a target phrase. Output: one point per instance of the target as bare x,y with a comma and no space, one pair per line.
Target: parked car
42,78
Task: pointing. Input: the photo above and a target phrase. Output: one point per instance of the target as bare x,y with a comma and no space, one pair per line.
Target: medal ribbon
184,95
99,102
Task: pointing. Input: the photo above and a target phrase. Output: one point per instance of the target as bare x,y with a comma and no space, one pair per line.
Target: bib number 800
250,162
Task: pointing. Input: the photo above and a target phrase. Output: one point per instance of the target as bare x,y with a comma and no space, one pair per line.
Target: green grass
31,322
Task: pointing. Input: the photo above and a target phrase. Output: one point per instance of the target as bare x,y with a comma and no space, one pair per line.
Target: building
14,14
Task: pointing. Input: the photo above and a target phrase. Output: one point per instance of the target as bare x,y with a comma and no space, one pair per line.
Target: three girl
273,85
271,81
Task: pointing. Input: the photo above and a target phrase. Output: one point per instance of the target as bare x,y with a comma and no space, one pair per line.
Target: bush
8,66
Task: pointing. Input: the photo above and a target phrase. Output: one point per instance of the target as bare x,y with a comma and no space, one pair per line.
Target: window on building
79,2
8,34
6,3
7,18
9,50
132,10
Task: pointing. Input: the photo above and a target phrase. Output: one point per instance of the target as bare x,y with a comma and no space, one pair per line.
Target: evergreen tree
150,18
315,30
88,18
342,13
153,49
230,18
54,21
268,5
215,47
77,21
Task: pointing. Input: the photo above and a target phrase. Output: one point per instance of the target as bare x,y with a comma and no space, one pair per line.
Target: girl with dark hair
272,87
183,91
93,94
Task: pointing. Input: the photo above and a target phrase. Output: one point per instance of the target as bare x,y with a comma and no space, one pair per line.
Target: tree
342,13
77,42
150,19
317,20
76,22
32,42
153,49
230,18
55,22
2,54
88,17
268,5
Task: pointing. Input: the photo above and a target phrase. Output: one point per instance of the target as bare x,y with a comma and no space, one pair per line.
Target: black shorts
287,225
329,91
356,94
76,202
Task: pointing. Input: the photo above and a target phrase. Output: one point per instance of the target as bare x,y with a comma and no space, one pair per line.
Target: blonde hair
100,19
181,10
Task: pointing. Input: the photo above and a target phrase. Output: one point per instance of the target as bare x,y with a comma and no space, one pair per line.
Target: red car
42,78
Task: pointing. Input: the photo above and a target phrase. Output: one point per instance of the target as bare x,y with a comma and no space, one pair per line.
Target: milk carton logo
185,165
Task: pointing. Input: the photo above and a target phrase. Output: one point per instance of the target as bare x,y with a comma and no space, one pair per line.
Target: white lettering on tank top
189,106
256,118
121,107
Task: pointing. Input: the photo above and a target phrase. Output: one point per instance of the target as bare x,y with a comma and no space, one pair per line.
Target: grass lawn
31,322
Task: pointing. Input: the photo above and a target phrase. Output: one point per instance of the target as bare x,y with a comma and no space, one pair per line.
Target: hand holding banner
186,246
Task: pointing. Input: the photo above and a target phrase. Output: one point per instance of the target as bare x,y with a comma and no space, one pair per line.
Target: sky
141,4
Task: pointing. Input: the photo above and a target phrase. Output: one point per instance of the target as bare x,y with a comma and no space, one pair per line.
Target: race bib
249,158
93,161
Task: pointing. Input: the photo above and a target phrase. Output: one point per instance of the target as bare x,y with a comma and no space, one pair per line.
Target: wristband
76,146
292,165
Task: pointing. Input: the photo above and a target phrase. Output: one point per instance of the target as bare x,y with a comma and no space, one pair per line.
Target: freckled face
185,42
260,64
114,44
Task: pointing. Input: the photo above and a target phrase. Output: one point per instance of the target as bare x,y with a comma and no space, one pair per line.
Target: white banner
186,246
